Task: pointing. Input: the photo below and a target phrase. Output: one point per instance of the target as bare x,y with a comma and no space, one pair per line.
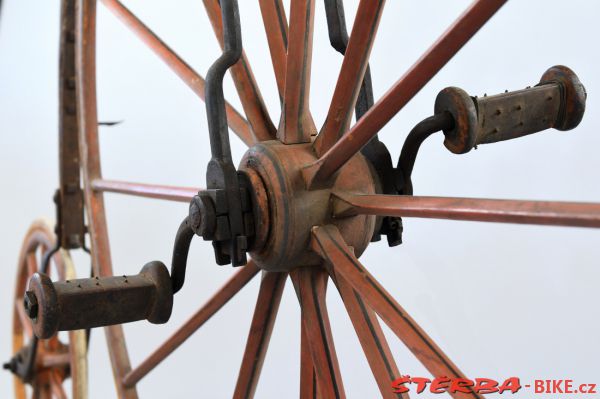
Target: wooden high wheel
59,357
306,200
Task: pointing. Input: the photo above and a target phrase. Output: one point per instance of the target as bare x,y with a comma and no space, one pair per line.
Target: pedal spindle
99,301
558,102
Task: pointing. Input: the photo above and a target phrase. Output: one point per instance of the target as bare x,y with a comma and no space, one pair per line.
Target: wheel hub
285,211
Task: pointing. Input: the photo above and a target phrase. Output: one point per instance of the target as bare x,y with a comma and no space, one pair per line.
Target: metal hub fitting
279,191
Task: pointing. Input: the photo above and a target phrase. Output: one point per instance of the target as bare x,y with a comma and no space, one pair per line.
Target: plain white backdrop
501,300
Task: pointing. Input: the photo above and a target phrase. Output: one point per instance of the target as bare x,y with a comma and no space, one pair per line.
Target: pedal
557,101
99,301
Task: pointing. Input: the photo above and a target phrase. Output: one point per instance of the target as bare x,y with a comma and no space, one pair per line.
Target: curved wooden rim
40,235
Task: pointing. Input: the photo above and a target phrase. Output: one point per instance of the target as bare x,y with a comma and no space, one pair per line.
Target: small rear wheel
59,357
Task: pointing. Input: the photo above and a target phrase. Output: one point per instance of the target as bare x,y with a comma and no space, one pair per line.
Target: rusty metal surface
245,84
291,217
354,66
412,144
294,210
71,224
403,90
190,77
33,360
212,306
558,101
90,163
375,151
221,174
99,301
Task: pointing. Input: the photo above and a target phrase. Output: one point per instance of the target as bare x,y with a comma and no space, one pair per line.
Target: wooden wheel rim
351,278
38,239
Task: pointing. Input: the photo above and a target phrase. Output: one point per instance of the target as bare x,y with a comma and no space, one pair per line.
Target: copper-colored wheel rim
56,360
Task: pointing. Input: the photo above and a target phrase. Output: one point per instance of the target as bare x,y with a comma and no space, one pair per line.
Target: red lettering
512,384
539,386
461,385
439,385
485,385
421,383
568,386
592,388
398,384
556,386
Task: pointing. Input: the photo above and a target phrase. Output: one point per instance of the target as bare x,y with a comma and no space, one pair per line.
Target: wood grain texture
90,164
276,28
310,284
296,126
350,79
372,340
329,244
448,44
245,83
191,78
265,312
577,214
202,315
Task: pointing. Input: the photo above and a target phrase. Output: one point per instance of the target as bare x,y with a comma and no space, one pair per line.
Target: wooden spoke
246,86
212,306
311,285
56,385
328,242
42,390
351,75
32,266
296,121
85,56
371,338
52,359
169,193
236,121
78,348
404,89
578,214
267,305
276,28
24,320
308,376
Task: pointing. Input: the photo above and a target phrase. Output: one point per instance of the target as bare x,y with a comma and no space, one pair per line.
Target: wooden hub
287,211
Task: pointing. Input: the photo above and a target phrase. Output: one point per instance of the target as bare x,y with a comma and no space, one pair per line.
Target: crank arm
221,173
558,102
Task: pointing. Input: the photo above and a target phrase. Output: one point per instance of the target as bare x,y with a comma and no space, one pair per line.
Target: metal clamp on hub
100,301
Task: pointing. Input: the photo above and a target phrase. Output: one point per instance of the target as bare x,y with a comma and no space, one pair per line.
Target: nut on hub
203,216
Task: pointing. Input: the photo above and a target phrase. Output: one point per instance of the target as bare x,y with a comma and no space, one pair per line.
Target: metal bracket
375,151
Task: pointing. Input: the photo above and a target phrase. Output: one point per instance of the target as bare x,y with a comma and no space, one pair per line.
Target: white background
501,300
